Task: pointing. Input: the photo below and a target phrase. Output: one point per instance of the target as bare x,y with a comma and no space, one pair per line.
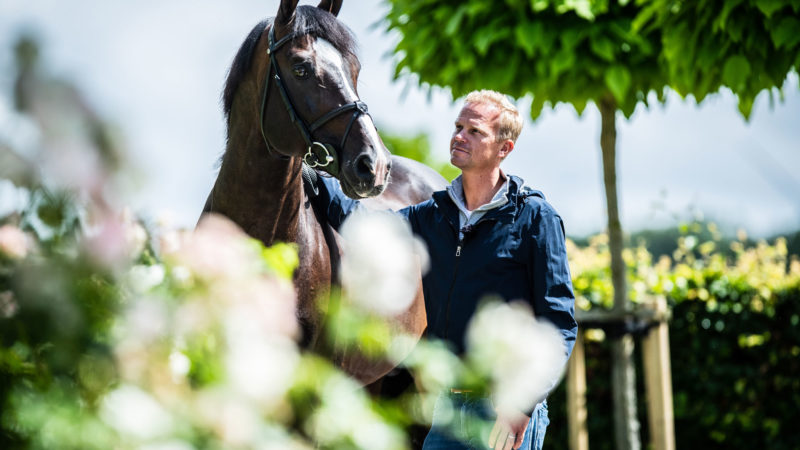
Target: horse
290,101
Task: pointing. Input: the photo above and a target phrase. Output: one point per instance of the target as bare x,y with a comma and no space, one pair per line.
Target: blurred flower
260,328
260,367
179,364
134,413
216,249
142,278
14,243
345,416
382,262
115,239
8,304
264,302
435,367
523,357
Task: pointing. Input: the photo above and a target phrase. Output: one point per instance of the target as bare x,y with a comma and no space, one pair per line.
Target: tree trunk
623,372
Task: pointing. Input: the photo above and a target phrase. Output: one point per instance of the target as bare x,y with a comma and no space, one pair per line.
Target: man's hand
508,430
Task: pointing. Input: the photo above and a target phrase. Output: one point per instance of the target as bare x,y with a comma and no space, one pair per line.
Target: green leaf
735,72
536,106
602,47
488,35
583,8
768,7
539,5
529,36
618,81
787,33
746,105
562,61
281,258
727,8
455,21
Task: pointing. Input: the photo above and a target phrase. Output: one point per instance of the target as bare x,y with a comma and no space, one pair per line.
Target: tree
747,46
612,53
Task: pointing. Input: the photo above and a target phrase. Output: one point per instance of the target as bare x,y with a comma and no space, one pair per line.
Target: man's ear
508,146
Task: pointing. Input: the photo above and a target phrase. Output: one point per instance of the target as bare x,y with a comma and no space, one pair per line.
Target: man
487,235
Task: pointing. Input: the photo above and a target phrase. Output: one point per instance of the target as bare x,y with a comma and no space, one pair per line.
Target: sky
156,70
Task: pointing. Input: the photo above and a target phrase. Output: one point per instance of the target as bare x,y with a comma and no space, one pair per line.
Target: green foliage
580,51
558,51
734,341
56,312
418,148
745,45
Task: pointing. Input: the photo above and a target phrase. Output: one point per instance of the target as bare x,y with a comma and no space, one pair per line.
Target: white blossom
142,278
382,262
135,413
345,415
260,363
523,357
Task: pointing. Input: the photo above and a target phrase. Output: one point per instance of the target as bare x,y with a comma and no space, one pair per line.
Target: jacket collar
456,192
505,212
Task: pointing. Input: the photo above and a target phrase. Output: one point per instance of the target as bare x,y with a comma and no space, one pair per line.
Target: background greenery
734,340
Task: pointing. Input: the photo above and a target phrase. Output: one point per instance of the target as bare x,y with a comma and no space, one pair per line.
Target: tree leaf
787,33
727,8
455,21
735,72
539,5
602,47
618,81
768,7
529,36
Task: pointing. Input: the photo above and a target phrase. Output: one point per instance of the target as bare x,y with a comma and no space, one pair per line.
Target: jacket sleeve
549,277
332,200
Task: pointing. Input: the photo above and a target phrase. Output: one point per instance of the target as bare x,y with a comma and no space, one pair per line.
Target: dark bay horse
290,97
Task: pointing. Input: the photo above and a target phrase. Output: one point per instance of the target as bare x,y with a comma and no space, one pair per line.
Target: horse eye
300,71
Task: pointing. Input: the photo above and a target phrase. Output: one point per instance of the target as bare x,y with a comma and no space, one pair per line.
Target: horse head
310,106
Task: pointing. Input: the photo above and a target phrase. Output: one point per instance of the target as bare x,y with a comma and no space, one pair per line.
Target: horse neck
259,190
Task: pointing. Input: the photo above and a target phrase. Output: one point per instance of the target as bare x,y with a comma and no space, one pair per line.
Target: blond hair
509,124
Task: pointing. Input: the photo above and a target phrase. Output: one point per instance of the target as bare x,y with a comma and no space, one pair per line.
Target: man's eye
300,71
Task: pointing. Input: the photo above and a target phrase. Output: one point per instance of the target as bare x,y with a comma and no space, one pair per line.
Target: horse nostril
365,167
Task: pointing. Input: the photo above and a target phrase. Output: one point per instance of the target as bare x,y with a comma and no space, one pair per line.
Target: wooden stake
658,383
576,397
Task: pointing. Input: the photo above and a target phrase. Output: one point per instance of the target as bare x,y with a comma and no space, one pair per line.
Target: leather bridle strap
318,155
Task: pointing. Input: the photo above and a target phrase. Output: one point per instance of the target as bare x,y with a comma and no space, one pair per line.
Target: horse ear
286,12
332,6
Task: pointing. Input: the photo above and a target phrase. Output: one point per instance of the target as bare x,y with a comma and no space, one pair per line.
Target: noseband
318,155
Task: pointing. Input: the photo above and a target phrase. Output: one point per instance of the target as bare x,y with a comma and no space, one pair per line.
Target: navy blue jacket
513,252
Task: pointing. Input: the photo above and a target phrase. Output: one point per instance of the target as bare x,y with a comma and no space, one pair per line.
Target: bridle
319,155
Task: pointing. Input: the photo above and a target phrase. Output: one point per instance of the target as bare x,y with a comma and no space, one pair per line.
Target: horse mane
308,20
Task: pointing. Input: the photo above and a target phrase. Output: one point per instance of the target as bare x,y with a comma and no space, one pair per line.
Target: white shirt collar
456,192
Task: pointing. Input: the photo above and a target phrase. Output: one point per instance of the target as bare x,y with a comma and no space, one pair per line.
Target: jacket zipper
452,286
459,246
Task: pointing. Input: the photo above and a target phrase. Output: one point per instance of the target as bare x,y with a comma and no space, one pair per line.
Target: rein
318,155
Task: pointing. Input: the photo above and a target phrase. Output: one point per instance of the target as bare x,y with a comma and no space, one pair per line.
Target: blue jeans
464,421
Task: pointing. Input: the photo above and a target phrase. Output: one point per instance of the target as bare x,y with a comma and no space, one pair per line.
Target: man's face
474,145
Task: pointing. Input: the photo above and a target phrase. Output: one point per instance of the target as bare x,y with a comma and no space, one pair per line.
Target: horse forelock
308,20
313,21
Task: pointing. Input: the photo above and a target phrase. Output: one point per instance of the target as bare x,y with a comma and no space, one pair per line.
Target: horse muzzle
367,175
